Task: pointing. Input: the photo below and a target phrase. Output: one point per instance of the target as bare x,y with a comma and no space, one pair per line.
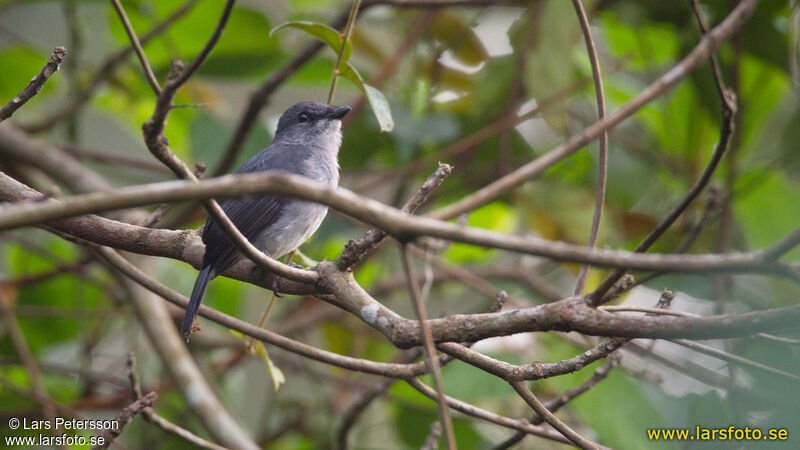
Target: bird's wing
250,215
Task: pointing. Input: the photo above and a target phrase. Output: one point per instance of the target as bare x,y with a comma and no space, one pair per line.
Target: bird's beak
340,112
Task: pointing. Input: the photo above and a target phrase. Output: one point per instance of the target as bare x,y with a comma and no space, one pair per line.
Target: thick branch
397,223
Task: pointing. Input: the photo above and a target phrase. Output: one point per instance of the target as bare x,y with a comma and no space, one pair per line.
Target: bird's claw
276,281
276,285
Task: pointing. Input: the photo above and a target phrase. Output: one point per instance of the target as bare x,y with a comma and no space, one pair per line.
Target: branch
197,393
397,223
385,369
35,85
348,31
137,47
151,416
554,405
212,41
106,70
728,106
430,350
124,417
571,314
735,359
697,56
356,251
602,164
480,413
21,148
565,315
549,417
183,245
83,153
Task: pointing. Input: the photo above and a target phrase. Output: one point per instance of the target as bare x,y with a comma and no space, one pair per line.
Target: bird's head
307,121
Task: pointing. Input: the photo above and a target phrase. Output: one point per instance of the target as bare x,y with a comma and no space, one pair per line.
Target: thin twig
728,106
626,308
212,41
137,47
602,160
735,359
151,416
124,417
106,69
113,158
356,251
549,417
554,405
348,31
488,416
432,439
710,42
35,85
430,350
197,393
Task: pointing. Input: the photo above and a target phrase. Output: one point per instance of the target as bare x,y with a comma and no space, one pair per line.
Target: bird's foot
294,265
276,285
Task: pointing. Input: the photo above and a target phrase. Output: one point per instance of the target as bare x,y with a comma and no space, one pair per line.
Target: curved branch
602,165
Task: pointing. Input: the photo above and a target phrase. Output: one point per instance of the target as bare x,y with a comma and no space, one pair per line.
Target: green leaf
379,104
278,378
325,33
274,372
497,216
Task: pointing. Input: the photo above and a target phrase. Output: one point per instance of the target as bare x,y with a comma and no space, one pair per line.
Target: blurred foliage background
447,73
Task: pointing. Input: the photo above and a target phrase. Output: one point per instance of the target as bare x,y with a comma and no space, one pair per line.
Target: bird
306,143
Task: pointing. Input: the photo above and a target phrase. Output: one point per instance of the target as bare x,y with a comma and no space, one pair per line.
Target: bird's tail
194,301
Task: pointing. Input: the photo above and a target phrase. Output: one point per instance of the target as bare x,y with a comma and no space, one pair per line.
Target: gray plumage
306,143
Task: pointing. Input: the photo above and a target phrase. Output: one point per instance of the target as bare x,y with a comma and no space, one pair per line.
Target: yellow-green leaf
379,104
274,372
323,32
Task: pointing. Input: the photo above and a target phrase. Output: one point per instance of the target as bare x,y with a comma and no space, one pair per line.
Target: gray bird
306,143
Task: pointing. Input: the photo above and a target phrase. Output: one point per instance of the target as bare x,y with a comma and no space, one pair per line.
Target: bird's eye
302,117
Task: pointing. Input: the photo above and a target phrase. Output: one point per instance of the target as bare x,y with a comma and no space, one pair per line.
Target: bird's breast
299,220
